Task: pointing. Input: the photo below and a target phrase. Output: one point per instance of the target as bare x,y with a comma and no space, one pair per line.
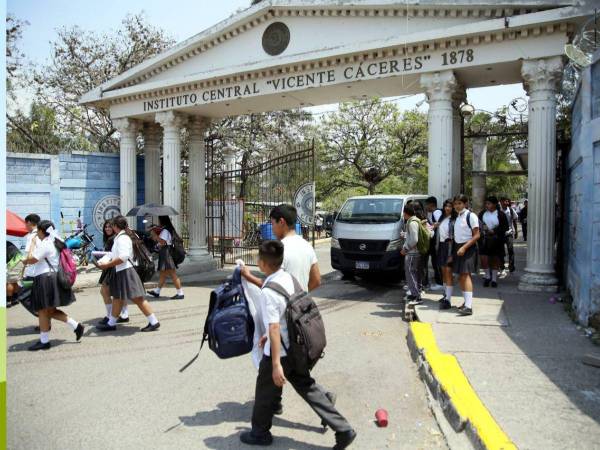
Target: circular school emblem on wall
276,38
106,208
304,201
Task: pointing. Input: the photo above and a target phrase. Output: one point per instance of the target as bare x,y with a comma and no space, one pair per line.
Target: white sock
156,290
72,323
124,311
494,275
449,292
179,291
152,320
468,299
44,337
108,309
112,321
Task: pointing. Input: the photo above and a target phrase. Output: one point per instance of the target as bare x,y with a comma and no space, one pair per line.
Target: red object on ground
381,415
15,226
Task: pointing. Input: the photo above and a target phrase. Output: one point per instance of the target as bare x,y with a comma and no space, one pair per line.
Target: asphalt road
124,391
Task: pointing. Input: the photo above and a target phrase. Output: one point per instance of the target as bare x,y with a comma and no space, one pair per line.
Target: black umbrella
152,209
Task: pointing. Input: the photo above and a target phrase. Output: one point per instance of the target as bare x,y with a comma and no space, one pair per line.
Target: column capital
197,125
542,74
459,96
170,120
126,126
439,85
152,131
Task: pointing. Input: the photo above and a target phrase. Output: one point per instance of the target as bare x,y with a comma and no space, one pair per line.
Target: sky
180,19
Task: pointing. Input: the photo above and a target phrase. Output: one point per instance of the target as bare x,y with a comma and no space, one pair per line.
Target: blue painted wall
71,182
582,239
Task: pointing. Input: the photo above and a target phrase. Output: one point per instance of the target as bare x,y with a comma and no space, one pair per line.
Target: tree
14,56
82,60
367,143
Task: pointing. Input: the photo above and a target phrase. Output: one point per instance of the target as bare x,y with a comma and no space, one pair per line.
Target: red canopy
15,226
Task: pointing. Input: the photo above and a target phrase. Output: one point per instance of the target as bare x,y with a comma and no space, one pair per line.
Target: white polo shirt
123,250
491,219
45,250
298,258
462,232
273,308
32,241
511,215
435,216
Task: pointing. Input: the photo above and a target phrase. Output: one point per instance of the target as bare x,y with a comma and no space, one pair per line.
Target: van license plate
363,265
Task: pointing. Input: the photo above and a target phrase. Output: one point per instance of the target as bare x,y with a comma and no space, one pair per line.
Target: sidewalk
523,357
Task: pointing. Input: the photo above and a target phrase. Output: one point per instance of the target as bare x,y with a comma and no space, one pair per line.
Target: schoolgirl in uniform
494,225
166,266
444,252
464,250
108,236
125,284
46,294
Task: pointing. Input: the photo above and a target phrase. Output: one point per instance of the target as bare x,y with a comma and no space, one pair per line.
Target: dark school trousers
267,395
412,270
511,252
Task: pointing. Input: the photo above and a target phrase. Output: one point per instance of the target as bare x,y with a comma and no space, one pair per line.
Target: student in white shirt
46,294
275,369
125,284
512,232
445,232
163,235
491,246
31,240
464,250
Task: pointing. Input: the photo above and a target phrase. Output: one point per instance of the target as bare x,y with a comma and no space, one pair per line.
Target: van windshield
377,210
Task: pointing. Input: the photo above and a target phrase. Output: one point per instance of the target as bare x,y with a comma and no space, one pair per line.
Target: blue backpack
229,327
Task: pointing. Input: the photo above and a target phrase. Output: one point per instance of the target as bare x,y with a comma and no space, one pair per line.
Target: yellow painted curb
452,380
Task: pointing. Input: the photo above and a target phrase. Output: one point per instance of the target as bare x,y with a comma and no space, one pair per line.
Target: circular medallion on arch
276,38
106,208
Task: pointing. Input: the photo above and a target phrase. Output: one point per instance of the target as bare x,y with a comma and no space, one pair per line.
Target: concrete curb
450,387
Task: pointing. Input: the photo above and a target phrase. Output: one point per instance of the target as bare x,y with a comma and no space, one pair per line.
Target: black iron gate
240,196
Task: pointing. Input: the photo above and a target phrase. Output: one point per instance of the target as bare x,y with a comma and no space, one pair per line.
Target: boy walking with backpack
410,250
277,366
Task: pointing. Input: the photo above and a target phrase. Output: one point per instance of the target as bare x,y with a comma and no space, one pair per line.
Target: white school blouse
165,235
123,250
444,229
462,232
45,250
491,219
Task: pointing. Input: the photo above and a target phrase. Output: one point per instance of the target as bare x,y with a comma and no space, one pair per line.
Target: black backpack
177,249
229,327
305,326
145,264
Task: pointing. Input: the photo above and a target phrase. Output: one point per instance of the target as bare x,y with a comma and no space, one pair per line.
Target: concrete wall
583,198
71,182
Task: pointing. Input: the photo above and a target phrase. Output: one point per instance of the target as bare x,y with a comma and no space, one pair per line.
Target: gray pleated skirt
165,260
46,293
126,285
468,263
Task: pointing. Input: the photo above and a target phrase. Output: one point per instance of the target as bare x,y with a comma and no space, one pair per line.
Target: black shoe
344,439
247,437
494,284
461,307
445,304
39,346
103,321
79,331
106,327
278,410
123,320
465,312
178,297
486,282
153,294
332,398
149,327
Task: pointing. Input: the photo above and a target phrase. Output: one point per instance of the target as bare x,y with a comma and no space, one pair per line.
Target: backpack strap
50,265
469,219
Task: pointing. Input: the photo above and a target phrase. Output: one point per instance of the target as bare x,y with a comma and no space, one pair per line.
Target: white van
366,233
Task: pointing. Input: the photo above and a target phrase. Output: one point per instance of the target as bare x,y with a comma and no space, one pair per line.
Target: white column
197,189
172,123
541,82
152,137
439,87
128,130
478,180
458,98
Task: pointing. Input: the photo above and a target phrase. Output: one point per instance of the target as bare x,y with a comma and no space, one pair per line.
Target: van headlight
394,245
335,243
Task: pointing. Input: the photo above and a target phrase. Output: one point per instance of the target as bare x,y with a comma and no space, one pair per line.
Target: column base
532,281
201,256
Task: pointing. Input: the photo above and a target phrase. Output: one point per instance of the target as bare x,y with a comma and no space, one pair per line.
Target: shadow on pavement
23,346
233,441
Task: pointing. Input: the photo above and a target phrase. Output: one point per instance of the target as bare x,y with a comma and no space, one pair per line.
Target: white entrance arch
281,54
